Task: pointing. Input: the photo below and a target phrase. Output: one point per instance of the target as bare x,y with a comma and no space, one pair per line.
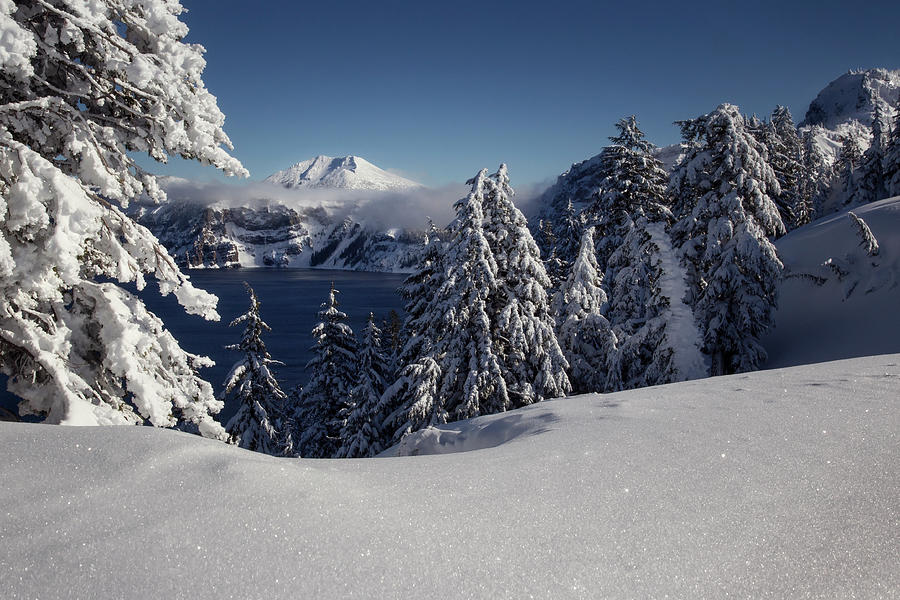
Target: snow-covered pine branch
84,84
867,239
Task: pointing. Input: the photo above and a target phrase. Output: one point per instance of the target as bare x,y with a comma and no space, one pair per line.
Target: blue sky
437,90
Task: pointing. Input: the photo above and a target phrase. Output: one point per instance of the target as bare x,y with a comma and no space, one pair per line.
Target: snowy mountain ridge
346,172
854,96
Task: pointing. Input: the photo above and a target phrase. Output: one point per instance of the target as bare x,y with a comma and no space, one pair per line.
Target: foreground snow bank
774,484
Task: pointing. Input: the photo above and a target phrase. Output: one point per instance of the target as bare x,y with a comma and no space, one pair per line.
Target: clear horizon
434,92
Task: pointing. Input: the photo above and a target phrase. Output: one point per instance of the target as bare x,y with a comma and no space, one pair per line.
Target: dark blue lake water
289,300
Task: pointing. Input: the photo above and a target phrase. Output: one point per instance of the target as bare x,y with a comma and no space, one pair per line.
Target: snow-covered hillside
828,317
776,484
345,172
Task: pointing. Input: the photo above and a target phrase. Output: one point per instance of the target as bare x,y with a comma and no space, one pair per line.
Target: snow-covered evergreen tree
633,185
869,184
472,381
524,339
726,214
892,159
815,179
84,84
417,370
450,367
325,400
785,155
845,169
362,435
584,333
260,423
557,269
568,233
867,239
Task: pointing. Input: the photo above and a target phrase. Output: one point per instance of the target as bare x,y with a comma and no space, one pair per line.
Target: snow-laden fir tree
845,169
472,381
815,179
726,215
325,399
785,155
568,233
867,239
84,86
556,268
868,184
450,369
524,339
260,423
584,333
362,435
892,159
417,372
634,184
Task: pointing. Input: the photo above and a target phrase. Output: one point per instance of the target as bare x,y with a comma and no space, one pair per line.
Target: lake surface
289,300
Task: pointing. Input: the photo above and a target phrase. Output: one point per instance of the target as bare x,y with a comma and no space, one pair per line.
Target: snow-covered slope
824,316
777,484
346,172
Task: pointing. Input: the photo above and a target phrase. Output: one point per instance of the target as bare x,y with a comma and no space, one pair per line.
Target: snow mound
824,315
346,172
775,484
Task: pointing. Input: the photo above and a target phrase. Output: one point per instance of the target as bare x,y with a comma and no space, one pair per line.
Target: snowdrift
776,484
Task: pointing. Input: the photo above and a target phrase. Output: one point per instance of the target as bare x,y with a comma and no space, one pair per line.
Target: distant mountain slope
346,172
310,228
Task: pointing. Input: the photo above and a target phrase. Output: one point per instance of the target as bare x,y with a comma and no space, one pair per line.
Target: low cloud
407,209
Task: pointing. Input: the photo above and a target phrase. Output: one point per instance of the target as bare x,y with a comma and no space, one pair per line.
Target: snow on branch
866,238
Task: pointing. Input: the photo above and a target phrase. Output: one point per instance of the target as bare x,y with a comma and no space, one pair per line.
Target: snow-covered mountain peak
853,96
343,172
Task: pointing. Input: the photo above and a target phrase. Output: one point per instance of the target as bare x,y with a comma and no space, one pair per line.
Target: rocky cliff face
277,232
276,236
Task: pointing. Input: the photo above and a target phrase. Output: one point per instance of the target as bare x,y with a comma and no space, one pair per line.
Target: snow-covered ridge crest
346,172
854,96
846,108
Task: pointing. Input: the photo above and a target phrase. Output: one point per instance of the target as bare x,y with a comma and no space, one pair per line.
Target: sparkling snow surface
776,484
